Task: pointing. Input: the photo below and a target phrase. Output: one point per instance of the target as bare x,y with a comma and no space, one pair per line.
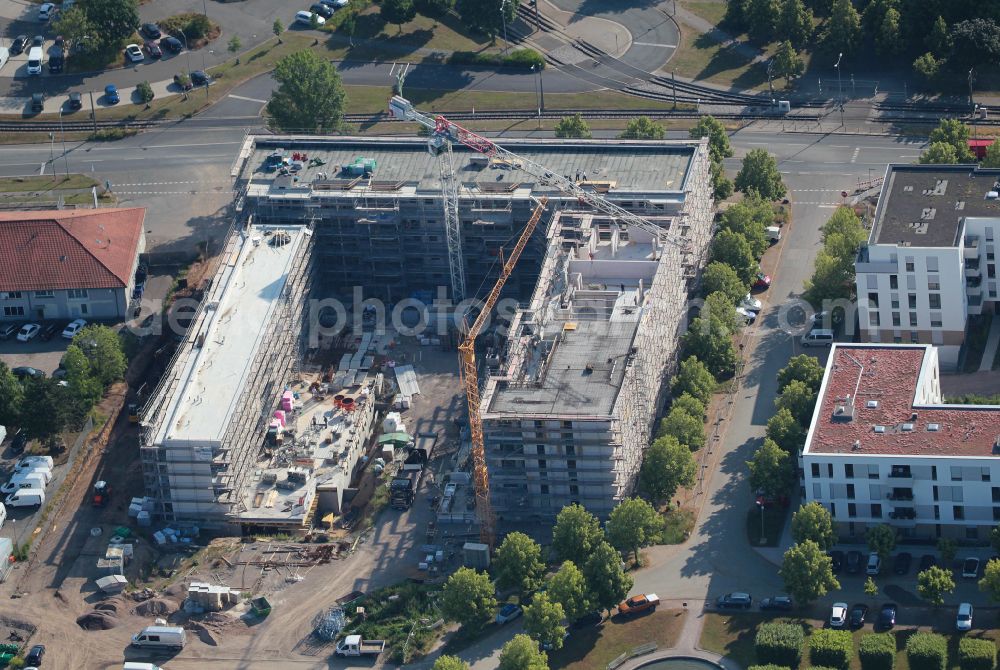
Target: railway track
515,115
75,126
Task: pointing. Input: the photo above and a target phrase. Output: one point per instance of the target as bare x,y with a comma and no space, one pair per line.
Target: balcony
903,513
974,286
971,246
972,268
900,473
975,305
905,495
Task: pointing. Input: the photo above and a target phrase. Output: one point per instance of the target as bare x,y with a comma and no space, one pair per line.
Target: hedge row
927,651
977,654
520,58
831,648
877,651
779,644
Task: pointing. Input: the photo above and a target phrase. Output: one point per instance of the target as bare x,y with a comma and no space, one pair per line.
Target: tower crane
443,133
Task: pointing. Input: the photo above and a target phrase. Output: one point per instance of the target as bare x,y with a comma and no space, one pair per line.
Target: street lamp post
770,84
761,506
840,88
62,131
52,142
187,50
972,78
537,70
503,16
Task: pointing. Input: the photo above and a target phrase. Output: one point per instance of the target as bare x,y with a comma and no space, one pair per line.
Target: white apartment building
883,448
930,258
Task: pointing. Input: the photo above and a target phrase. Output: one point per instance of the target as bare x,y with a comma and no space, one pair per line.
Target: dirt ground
58,587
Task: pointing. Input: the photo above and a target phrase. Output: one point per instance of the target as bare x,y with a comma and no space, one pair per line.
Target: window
570,450
996,494
937,512
574,490
934,472
44,294
956,473
542,464
913,319
895,301
13,311
873,319
833,510
876,511
873,300
996,513
571,465
829,470
895,319
545,489
911,299
849,470
914,337
936,493
935,300
985,474
932,263
893,282
815,469
852,510
933,285
872,472
13,295
909,266
958,512
77,294
850,491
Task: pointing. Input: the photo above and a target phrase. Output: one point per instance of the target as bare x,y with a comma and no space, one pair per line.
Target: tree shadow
594,7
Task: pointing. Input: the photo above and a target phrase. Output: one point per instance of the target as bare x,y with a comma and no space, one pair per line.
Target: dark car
837,558
18,45
34,656
172,44
927,561
321,9
777,603
735,600
153,49
901,564
111,94
183,81
37,102
75,101
19,442
37,41
588,621
8,330
853,566
48,331
24,371
887,616
200,78
59,43
856,617
151,30
56,62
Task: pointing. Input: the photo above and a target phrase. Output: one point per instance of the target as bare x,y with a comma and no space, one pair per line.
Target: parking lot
38,353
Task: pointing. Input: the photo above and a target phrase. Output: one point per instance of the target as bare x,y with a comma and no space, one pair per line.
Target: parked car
153,49
73,327
874,564
57,61
8,330
151,31
817,337
172,44
74,102
856,617
508,613
19,442
927,561
183,81
37,41
751,303
746,316
35,656
45,11
48,331
307,18
762,282
735,600
970,567
336,4
111,94
24,371
837,558
901,564
853,563
18,45
200,78
778,604
637,604
134,54
326,11
838,615
28,330
37,105
887,616
963,621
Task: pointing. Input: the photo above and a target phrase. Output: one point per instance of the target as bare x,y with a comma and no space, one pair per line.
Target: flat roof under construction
240,307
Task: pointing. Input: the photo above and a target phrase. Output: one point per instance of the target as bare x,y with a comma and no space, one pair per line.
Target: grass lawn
713,12
594,648
774,523
677,525
45,183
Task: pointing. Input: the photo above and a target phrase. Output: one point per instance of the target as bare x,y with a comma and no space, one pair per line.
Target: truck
639,603
353,645
169,637
402,491
101,495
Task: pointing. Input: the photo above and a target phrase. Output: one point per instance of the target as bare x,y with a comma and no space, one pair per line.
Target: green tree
750,218
694,378
798,399
889,42
642,128
939,153
309,97
722,186
974,41
468,598
103,349
795,24
933,583
485,15
762,18
543,621
607,583
992,158
689,404
710,340
522,653
843,29
568,587
844,222
518,564
434,7
667,466
450,663
771,470
144,91
759,174
572,127
349,26
873,16
76,29
112,21
398,12
718,306
813,522
235,44
803,368
85,389
43,408
871,588
575,534
718,138
939,40
955,133
277,28
807,572
11,395
786,432
686,429
881,540
947,548
722,278
927,67
990,583
788,63
734,250
632,525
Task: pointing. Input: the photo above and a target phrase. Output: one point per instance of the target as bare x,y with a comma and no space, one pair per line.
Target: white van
173,637
25,498
31,480
39,469
30,462
35,56
132,665
817,337
773,234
